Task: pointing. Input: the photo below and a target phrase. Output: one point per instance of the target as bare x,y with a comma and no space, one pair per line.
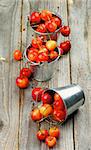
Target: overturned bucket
43,71
72,96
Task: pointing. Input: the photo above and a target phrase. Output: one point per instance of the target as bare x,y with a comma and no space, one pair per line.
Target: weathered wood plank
80,21
9,94
28,129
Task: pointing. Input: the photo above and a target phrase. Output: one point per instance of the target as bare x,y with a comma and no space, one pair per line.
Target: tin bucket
43,71
48,35
72,95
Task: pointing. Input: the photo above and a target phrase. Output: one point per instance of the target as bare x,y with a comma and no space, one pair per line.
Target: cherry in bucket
59,115
46,15
46,110
34,17
51,45
46,98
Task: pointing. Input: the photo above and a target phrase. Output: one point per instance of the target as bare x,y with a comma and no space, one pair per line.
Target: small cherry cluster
51,106
50,137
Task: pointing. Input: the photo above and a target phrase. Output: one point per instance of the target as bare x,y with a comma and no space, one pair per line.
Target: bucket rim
39,64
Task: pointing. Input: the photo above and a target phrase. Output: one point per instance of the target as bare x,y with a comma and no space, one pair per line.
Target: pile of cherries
40,51
44,21
44,50
51,105
50,137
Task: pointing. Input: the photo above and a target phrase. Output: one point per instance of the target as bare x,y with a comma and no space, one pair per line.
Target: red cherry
65,30
32,49
36,42
59,115
53,55
22,82
43,57
17,55
59,105
41,28
54,131
35,17
65,46
47,98
43,49
51,26
57,97
37,93
32,56
36,115
42,134
46,15
50,141
26,72
57,21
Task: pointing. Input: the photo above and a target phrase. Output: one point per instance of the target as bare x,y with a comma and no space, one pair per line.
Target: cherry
59,105
36,115
17,55
65,46
35,17
65,30
57,21
43,49
59,115
32,56
51,26
47,98
41,28
46,15
26,72
54,131
46,110
22,82
50,141
53,55
42,134
37,93
43,57
36,42
51,45
32,49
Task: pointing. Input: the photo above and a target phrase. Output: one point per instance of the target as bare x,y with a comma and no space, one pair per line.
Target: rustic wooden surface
16,131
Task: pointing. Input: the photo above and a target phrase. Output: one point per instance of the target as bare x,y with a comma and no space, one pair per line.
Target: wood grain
79,12
17,131
9,93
